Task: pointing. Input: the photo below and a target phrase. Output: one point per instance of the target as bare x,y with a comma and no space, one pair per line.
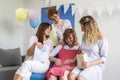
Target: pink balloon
32,14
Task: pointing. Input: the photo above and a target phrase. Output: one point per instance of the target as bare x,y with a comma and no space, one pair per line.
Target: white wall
27,29
10,30
11,33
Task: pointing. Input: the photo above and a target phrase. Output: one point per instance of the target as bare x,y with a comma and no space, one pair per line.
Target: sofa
10,60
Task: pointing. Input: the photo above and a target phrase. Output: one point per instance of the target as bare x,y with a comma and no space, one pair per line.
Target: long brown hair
51,11
92,34
67,33
41,29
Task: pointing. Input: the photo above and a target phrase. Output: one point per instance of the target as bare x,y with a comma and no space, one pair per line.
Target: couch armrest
7,73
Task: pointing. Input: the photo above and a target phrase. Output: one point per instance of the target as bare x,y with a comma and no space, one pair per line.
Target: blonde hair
67,34
91,33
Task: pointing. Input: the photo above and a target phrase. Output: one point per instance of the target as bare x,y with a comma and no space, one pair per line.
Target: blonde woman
96,47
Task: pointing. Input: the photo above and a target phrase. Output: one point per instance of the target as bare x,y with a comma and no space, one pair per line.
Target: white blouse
96,51
56,50
66,24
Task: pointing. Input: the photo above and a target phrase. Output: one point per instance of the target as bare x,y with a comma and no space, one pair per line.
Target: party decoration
66,8
34,23
99,10
21,14
54,37
32,14
109,10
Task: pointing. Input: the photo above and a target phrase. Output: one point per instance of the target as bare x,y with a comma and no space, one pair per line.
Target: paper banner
80,11
52,3
47,2
58,6
109,10
85,12
66,6
90,10
99,10
74,8
118,5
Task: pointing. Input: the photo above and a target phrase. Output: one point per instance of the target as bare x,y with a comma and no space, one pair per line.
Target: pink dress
63,55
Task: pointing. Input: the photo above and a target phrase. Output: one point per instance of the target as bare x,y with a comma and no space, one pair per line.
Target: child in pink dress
66,60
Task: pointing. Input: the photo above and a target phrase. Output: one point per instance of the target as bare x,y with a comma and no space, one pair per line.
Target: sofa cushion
10,57
7,73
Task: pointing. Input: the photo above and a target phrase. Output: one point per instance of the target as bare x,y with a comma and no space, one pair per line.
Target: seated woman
66,60
95,45
36,64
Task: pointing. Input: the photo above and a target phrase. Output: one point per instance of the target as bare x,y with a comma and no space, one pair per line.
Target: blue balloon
34,23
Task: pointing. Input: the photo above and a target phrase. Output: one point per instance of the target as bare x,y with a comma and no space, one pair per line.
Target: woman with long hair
95,45
38,57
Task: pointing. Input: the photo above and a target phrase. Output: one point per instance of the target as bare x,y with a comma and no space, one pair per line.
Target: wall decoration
63,14
88,10
21,14
34,23
32,14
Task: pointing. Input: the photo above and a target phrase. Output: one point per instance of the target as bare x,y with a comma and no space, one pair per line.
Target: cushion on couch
10,57
7,73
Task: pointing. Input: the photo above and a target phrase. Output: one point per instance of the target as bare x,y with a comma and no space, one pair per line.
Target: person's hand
86,64
58,62
79,52
67,67
39,44
68,61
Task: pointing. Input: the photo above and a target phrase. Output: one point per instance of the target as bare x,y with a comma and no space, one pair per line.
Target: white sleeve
104,50
56,50
68,23
32,40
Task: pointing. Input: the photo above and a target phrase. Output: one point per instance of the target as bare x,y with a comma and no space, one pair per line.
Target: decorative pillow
10,57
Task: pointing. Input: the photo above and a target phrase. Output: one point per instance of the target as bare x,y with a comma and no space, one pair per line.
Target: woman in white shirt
59,25
95,46
38,63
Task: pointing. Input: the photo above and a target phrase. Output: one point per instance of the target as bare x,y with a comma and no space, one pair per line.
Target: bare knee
52,77
17,77
72,76
80,77
65,77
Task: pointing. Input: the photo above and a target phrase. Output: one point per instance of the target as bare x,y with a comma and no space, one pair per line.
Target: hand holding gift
82,58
